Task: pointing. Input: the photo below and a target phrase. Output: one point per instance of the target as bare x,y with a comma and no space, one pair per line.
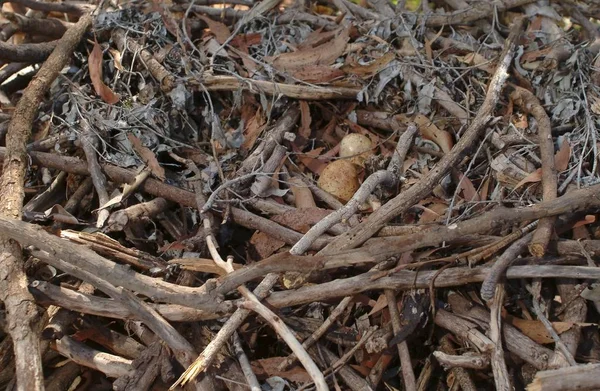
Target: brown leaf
246,40
265,245
534,177
166,16
95,67
310,159
536,330
220,30
431,132
588,219
116,59
476,59
324,54
379,305
253,129
561,159
317,73
301,220
432,212
270,367
303,197
468,190
306,119
147,157
373,68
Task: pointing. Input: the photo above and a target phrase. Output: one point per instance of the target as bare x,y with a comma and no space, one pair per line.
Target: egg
357,148
340,178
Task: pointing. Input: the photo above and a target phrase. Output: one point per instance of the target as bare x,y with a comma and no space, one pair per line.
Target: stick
530,104
20,307
501,377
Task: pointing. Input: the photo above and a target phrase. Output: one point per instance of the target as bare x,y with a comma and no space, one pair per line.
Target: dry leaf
265,245
469,192
536,330
95,68
432,212
431,132
116,59
301,220
521,122
253,129
379,305
310,159
246,40
220,30
147,157
373,68
561,159
305,120
595,105
166,16
270,367
535,176
588,219
324,54
303,197
477,60
317,73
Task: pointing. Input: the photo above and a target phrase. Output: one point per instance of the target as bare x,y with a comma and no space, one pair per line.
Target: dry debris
336,194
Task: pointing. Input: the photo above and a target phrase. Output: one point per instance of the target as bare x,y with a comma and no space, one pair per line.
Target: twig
501,377
264,182
580,377
89,143
408,280
575,312
301,92
245,363
27,52
499,267
20,307
314,337
109,364
405,362
542,318
530,104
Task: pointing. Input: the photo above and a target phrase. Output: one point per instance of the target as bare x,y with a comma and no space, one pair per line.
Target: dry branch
20,307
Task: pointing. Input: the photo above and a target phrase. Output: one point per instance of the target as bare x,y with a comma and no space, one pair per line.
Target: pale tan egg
340,178
357,148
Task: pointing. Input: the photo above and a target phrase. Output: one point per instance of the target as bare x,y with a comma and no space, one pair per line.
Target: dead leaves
95,67
313,55
147,157
220,30
561,161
